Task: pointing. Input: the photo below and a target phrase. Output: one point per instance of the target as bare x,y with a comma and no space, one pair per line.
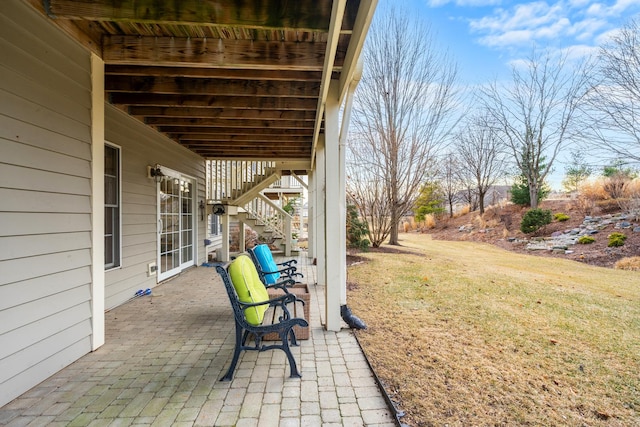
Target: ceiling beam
329,61
257,133
240,146
213,73
258,139
202,86
241,102
287,160
220,112
206,52
356,44
229,123
301,15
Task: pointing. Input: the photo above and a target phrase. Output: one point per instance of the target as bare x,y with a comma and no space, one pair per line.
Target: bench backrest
248,288
267,264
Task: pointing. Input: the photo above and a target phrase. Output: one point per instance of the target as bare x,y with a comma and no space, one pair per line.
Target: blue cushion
265,259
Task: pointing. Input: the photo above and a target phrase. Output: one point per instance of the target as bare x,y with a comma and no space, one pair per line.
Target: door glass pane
177,224
170,224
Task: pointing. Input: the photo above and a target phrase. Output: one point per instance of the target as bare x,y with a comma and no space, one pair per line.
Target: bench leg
236,355
292,362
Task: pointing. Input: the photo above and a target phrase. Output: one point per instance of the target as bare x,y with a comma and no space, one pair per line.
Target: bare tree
367,191
536,115
403,112
481,154
614,101
451,181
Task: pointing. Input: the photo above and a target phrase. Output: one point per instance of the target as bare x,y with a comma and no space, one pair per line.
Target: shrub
608,206
534,219
629,263
593,190
357,230
561,217
429,221
616,239
585,240
462,211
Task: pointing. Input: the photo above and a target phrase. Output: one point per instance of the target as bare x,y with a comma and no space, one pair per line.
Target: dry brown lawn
467,334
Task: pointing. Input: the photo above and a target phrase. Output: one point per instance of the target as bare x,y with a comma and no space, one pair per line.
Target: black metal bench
269,270
282,325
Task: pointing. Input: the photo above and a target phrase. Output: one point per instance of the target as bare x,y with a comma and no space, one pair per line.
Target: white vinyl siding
141,146
45,199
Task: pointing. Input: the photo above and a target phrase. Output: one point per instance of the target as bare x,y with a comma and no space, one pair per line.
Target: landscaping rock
559,241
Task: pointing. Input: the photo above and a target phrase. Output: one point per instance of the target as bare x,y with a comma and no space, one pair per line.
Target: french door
176,224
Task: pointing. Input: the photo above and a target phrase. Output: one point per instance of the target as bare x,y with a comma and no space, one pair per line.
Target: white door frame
179,241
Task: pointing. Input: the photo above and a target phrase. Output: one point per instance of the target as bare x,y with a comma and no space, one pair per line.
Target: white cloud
606,36
463,3
523,24
621,6
558,22
585,30
579,51
524,16
508,38
596,9
578,3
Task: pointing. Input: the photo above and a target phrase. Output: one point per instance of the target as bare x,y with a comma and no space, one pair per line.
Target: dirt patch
500,226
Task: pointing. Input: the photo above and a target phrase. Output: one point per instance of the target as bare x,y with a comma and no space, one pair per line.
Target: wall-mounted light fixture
218,209
201,206
155,173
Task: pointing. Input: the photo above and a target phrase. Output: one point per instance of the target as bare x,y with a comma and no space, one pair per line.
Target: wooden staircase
266,231
240,184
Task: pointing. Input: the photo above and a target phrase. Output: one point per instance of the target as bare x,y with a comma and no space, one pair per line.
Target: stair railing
227,179
273,217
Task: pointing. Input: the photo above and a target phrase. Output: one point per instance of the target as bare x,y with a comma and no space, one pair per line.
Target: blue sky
485,36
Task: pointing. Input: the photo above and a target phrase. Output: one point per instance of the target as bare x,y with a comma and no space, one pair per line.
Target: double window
112,205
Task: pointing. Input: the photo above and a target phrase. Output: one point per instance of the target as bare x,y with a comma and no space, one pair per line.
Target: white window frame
117,258
211,224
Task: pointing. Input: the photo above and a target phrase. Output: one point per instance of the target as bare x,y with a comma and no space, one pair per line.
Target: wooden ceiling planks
226,79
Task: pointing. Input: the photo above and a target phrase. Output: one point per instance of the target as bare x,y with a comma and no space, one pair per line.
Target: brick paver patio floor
164,355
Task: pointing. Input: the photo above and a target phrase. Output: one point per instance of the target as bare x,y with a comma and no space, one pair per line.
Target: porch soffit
226,79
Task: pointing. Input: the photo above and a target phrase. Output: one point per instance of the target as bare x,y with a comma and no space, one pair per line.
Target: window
111,207
214,225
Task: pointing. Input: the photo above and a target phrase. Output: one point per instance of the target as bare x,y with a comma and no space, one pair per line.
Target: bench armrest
288,263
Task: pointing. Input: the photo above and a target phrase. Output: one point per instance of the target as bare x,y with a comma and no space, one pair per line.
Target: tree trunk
533,196
395,221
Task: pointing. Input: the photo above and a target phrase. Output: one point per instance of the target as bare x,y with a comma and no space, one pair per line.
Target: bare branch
537,114
614,101
403,110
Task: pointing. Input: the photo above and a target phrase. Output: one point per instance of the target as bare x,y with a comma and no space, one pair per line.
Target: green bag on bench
249,288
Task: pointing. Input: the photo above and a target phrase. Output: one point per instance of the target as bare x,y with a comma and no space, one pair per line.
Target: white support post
342,223
311,223
335,247
242,241
319,214
97,203
224,224
344,130
287,235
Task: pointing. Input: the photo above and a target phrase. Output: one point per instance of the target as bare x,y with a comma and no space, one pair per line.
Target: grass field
468,334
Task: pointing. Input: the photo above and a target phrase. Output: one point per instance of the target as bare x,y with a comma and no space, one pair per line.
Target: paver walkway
164,355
